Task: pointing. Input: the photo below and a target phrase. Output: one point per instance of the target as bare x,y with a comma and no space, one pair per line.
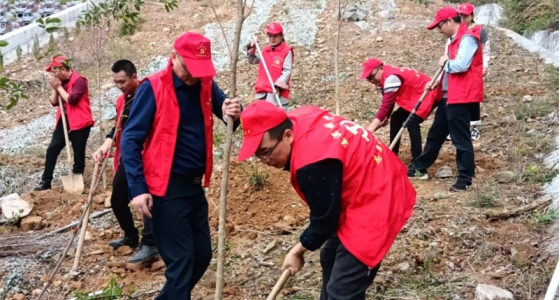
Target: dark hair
457,19
124,65
278,131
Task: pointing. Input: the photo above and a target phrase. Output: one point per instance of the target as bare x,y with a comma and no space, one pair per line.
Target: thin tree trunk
227,150
336,75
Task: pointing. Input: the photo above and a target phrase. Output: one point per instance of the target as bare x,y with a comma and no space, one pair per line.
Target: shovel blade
73,183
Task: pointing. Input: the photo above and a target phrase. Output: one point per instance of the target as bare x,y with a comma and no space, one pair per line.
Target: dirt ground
444,251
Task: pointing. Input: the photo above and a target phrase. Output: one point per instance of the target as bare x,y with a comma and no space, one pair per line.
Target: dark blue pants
344,276
182,236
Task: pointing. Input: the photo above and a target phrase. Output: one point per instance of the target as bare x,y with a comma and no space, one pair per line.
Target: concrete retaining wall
25,35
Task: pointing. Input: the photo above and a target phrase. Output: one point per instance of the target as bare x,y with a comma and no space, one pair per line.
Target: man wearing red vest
279,58
125,78
403,86
72,88
462,88
167,149
356,188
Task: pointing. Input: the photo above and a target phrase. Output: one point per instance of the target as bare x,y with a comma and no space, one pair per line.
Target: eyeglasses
371,77
441,24
267,153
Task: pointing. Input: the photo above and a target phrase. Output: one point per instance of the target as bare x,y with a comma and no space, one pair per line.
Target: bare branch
222,28
250,9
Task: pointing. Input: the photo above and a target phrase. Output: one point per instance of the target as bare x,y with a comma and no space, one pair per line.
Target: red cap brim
200,68
433,25
366,72
249,146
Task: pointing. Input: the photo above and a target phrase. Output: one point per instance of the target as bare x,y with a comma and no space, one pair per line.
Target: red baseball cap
56,62
466,8
368,66
274,28
443,14
195,50
256,119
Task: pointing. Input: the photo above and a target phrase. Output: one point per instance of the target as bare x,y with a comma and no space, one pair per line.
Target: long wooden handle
424,94
94,179
66,138
267,73
279,284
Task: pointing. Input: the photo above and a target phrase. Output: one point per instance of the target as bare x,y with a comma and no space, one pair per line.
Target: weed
530,15
19,53
113,290
546,218
256,177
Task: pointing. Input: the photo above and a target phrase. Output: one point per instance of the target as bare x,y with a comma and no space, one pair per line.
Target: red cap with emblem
274,28
443,14
368,66
466,8
256,119
56,62
195,50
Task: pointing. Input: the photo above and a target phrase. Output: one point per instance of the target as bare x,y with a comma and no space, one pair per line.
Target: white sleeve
392,84
486,54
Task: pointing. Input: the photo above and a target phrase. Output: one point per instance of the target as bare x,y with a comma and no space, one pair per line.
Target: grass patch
530,15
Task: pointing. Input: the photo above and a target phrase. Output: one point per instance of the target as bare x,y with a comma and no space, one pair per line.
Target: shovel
279,284
398,136
72,183
267,73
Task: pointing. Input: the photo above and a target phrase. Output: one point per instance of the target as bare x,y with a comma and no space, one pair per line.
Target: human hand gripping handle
231,108
143,204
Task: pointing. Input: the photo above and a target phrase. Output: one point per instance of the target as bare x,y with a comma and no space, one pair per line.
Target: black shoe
460,186
124,241
143,254
43,185
413,173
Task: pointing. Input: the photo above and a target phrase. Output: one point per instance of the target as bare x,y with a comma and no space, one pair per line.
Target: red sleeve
387,105
78,90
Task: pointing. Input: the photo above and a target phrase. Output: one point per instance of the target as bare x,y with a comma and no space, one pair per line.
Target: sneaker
43,185
415,174
124,241
476,123
460,186
448,138
475,134
143,254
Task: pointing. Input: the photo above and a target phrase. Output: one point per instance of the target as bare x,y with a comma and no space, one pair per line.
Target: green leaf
3,43
13,102
51,29
4,81
53,20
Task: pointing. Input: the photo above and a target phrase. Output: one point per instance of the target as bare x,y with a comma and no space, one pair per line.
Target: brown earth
445,250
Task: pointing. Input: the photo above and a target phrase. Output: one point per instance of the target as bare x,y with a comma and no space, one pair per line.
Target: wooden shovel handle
279,284
66,138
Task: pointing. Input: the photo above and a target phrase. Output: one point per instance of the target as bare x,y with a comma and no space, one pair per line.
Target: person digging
404,87
125,78
278,56
356,188
167,149
462,87
71,90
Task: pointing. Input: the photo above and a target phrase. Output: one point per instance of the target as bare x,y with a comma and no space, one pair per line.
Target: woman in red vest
356,188
404,87
279,59
72,89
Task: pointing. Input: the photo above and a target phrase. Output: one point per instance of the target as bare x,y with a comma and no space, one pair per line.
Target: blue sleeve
465,54
134,135
218,98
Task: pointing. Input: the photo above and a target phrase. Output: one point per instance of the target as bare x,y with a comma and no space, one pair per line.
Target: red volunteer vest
412,88
119,106
468,86
377,196
275,62
79,115
159,148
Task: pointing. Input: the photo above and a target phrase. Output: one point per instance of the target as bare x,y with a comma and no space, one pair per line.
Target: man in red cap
278,57
72,89
462,87
167,149
356,188
403,86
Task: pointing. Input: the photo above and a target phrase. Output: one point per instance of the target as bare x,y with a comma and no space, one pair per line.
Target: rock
57,283
16,297
290,220
505,176
99,199
49,215
165,29
527,98
490,292
510,119
353,14
71,251
444,172
119,271
476,146
269,247
500,109
36,293
479,169
157,265
125,251
404,266
76,285
31,223
88,236
378,39
516,257
108,202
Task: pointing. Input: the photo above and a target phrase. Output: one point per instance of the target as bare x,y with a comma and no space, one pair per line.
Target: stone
31,223
479,169
88,236
57,283
354,14
125,251
157,265
444,172
166,29
527,98
49,215
269,247
490,292
505,176
108,202
99,199
36,293
76,285
378,39
16,297
404,266
510,119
